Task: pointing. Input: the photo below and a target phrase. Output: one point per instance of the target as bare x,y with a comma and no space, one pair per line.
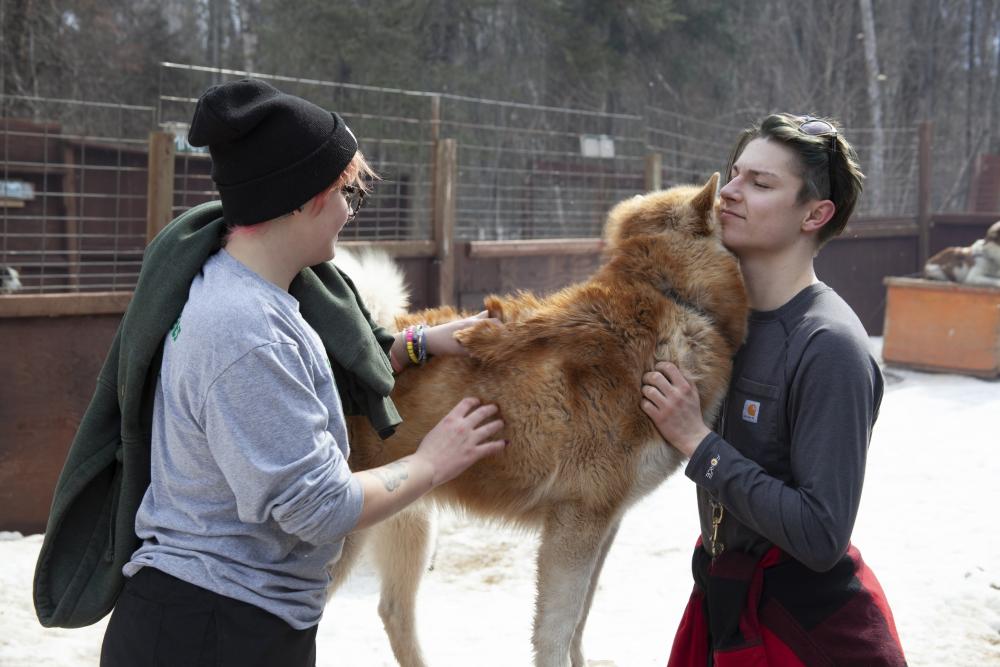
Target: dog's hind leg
402,550
353,545
576,647
572,541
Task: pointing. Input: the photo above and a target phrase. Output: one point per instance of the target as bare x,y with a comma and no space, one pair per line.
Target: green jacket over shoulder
91,525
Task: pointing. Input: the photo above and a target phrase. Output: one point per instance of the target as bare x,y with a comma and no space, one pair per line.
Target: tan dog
566,372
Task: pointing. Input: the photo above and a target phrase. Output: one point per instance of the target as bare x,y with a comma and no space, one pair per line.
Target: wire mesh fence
965,173
72,203
692,148
529,172
74,174
394,128
890,191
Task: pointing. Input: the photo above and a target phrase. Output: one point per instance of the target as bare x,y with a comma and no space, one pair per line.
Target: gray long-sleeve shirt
250,493
788,462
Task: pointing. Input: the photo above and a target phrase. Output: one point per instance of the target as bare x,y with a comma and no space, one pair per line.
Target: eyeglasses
816,127
355,197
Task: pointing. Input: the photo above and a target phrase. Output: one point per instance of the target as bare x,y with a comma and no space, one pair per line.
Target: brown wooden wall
477,277
50,367
959,229
419,279
855,267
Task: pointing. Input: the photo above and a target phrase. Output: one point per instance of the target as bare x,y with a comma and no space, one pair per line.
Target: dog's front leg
402,546
570,549
576,647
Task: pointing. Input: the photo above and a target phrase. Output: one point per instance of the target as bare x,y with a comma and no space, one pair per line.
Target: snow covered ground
927,527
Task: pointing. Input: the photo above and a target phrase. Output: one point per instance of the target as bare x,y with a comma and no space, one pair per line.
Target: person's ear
820,213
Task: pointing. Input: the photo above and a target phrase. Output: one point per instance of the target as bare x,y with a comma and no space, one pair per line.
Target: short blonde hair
357,172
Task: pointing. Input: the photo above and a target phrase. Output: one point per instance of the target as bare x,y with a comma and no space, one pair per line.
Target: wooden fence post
160,185
654,172
435,117
445,173
924,191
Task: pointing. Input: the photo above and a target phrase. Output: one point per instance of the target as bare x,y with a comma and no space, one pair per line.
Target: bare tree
877,172
247,36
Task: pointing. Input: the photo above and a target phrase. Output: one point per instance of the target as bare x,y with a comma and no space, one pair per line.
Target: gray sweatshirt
788,462
250,493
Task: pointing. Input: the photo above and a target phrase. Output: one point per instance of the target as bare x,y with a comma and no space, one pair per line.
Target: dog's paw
478,332
480,338
516,308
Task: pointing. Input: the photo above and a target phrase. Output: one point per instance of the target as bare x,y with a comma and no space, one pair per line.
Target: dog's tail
380,283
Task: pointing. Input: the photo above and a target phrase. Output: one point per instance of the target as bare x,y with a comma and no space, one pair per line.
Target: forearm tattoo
392,475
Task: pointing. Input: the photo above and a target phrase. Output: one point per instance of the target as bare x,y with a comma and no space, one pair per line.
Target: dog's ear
705,200
993,233
702,205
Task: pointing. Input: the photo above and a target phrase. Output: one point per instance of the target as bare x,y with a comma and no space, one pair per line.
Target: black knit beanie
271,152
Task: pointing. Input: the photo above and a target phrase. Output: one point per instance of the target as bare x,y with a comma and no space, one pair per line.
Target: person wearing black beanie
271,152
250,495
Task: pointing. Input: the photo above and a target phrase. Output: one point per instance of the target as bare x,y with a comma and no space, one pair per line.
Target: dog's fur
379,281
977,264
566,373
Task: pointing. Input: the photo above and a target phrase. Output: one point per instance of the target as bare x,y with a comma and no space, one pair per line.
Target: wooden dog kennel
942,326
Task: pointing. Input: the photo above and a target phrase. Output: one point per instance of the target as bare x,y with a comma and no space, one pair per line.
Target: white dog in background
380,283
10,279
977,264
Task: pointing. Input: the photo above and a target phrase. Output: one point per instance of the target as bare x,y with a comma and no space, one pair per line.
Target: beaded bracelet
410,352
416,343
422,343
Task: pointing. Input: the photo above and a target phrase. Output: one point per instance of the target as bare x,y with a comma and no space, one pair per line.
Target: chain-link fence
692,148
965,173
72,193
529,172
394,128
890,191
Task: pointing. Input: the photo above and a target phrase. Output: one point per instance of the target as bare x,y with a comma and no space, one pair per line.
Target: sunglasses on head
816,127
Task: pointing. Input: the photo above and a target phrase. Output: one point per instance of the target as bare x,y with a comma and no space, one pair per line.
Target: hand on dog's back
442,339
460,439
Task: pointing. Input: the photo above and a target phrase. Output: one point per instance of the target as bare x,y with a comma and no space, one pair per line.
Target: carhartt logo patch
750,411
176,330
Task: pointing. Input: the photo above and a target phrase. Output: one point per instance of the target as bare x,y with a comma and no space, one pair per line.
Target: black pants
162,621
